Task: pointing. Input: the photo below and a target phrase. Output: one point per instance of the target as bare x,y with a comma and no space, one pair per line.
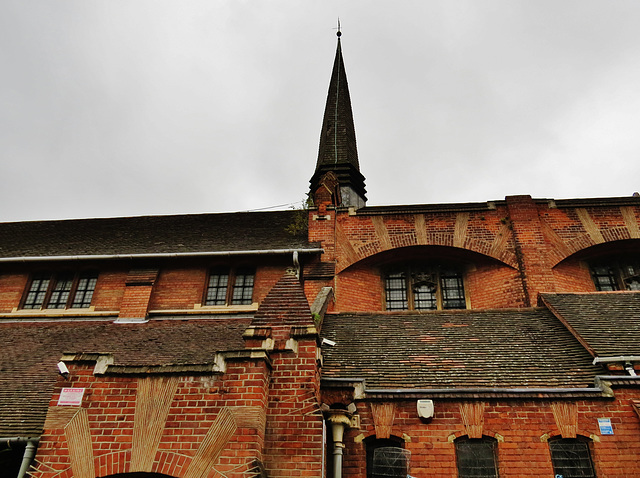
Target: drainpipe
29,451
339,421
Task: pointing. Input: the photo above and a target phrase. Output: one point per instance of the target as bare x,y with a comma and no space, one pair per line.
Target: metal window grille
452,290
604,278
390,462
424,288
571,458
476,458
396,291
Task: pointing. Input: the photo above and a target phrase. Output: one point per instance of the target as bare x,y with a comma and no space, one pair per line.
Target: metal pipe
339,421
482,390
29,451
618,358
27,458
160,255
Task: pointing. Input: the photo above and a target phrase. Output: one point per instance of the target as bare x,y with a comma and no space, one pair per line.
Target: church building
470,340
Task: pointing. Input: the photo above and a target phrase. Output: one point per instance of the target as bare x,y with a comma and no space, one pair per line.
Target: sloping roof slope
285,304
191,233
31,350
608,323
456,349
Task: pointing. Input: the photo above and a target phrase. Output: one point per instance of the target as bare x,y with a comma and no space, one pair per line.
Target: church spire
338,152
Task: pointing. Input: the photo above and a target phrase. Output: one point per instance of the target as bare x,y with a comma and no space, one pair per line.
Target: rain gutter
361,391
618,358
29,451
162,255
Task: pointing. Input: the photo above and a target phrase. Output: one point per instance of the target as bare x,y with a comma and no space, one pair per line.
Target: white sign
605,426
71,396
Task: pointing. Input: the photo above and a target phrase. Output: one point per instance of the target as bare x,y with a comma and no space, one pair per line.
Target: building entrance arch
138,474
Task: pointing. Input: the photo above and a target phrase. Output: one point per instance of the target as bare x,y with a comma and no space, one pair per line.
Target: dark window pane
604,278
217,288
243,288
452,290
37,292
84,291
60,293
571,458
396,291
372,445
424,297
476,458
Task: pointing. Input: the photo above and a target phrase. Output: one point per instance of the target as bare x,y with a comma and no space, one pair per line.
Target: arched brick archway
138,474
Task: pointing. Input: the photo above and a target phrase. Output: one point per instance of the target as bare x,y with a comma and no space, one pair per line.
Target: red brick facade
174,386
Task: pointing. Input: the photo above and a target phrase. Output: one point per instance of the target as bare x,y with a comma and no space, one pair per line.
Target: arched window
571,458
386,457
476,457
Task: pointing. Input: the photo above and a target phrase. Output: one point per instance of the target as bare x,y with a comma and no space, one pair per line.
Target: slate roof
285,304
608,323
338,151
456,349
30,351
189,233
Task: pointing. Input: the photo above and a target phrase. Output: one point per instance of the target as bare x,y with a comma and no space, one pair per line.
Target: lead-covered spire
338,152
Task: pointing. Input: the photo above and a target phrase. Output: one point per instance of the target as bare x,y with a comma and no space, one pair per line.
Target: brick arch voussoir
584,241
112,463
554,433
485,433
473,245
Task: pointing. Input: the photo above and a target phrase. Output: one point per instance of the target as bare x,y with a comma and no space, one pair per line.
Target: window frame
485,440
617,278
373,443
233,275
586,446
408,273
52,294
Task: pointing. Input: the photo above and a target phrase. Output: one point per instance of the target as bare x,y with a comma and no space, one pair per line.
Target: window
424,288
386,458
571,458
616,275
476,457
230,287
60,291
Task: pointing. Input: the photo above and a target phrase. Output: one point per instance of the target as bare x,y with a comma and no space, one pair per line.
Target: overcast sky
119,108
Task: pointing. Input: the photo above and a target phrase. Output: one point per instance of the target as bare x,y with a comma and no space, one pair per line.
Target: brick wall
293,445
176,425
522,429
12,288
513,250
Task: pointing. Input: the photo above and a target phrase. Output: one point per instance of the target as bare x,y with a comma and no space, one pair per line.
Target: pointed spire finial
337,152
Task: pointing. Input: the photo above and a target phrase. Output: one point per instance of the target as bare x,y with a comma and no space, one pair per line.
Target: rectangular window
230,287
243,288
604,278
424,288
60,291
396,291
476,458
571,458
617,274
